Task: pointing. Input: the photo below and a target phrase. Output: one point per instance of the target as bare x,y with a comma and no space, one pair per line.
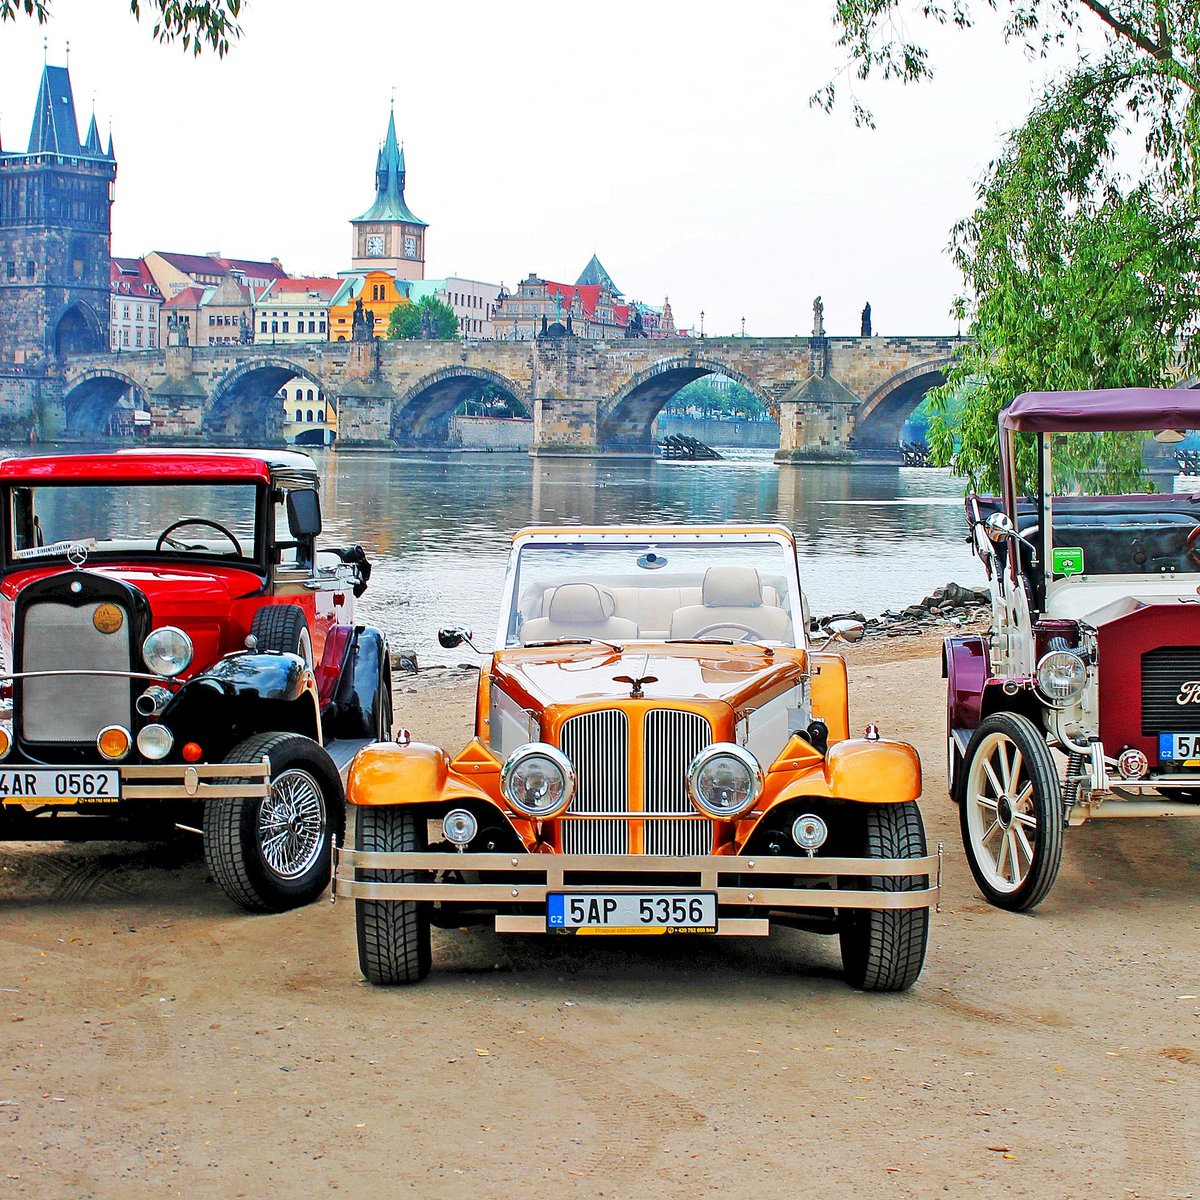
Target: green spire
389,183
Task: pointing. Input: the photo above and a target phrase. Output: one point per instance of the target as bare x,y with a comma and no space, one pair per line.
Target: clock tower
388,236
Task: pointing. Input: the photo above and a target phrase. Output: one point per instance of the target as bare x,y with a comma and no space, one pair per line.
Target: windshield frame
774,536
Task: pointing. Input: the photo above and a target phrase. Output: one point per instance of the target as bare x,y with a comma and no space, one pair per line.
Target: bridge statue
865,330
818,318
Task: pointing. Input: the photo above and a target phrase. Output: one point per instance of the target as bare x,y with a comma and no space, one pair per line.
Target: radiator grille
673,739
1164,673
598,746
59,637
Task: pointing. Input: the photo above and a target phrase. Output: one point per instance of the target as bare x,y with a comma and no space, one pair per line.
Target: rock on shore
949,605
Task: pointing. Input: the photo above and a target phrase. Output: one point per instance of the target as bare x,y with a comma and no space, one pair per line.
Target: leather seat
732,595
579,610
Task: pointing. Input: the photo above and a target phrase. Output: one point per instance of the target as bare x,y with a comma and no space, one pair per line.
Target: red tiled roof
188,298
130,277
203,264
324,287
258,270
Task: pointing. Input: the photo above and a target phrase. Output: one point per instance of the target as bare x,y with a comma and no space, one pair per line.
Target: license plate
1179,747
623,912
37,785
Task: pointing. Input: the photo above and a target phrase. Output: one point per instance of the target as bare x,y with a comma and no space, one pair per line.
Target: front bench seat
580,610
732,594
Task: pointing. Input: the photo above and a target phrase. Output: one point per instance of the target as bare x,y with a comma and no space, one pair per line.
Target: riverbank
158,1043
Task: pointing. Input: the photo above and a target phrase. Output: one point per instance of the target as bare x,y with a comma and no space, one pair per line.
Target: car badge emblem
77,554
108,618
1189,692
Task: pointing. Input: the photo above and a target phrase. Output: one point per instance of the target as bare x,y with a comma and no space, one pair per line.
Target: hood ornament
637,678
77,554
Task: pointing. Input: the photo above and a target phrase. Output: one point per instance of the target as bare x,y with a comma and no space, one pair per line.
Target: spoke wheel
1010,812
291,824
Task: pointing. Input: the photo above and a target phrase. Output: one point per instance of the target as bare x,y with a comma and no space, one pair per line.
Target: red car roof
180,466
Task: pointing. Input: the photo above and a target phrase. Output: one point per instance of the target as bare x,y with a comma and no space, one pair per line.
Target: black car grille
1166,675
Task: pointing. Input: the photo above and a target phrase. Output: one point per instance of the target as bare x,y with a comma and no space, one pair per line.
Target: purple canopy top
1107,408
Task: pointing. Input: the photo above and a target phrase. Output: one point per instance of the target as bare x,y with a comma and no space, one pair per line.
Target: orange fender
387,773
881,772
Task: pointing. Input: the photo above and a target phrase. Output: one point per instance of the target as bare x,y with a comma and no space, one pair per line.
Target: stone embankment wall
21,403
491,433
742,434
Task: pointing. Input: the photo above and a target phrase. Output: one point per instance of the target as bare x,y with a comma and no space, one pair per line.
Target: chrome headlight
1061,676
155,741
724,780
538,780
167,651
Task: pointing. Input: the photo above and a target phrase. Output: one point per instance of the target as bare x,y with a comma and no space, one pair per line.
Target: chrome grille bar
597,743
673,739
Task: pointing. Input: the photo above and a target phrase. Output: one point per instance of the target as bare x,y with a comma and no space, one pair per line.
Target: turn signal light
5,741
114,742
191,752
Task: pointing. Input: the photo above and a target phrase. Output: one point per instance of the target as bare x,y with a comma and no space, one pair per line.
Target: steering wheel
165,536
750,634
1191,549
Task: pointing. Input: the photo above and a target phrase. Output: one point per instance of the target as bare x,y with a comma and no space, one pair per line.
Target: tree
196,25
430,319
1078,274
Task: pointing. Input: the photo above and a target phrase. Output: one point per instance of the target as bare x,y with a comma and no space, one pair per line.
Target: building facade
172,272
209,316
472,300
55,234
374,294
295,310
388,236
544,306
308,418
134,304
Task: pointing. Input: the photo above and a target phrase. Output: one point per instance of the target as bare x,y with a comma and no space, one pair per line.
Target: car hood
173,591
595,673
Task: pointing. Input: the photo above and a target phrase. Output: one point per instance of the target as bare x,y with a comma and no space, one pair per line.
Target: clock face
375,245
410,247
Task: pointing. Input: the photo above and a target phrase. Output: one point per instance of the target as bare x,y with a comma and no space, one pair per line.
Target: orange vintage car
657,750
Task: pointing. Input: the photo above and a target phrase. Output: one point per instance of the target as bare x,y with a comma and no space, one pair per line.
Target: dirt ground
156,1042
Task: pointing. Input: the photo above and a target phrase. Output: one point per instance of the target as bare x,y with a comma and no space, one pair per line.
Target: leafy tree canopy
1080,261
430,319
211,26
730,401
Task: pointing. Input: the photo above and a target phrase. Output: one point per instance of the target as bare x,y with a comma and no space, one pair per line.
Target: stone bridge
832,397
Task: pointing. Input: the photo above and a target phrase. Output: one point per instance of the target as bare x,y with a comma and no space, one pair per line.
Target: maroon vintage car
176,650
1084,699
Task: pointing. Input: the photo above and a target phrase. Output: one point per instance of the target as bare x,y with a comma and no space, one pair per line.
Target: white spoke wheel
393,935
1010,812
274,853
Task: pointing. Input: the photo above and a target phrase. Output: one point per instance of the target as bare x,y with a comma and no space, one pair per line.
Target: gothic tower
55,233
387,236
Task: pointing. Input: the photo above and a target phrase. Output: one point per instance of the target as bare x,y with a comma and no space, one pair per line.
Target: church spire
92,145
55,127
389,182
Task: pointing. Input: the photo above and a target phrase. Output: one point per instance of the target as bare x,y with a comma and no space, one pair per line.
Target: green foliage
492,401
196,26
430,319
1078,274
732,401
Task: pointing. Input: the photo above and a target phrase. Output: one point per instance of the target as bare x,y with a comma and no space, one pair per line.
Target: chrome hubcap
291,824
1001,821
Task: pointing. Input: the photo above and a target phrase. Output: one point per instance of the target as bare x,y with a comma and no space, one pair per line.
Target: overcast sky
675,141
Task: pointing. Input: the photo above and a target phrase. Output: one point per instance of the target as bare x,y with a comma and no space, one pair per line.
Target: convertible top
1105,408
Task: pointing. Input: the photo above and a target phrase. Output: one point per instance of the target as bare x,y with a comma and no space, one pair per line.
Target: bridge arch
878,422
245,407
421,413
101,403
624,421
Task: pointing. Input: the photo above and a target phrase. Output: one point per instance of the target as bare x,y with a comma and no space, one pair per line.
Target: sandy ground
158,1043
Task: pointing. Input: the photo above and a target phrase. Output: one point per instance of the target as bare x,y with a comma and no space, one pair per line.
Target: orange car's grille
597,744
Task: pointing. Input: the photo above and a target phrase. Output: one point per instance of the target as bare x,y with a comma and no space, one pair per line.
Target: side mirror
999,527
304,513
844,630
454,636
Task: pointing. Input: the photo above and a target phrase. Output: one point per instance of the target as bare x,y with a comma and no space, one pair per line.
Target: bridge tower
55,234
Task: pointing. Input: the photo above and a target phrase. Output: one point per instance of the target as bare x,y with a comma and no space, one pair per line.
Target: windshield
724,590
1121,503
214,520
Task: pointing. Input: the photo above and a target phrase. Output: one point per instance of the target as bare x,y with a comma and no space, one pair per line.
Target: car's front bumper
531,877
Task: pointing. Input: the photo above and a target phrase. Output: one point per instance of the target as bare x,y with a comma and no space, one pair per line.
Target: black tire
283,627
393,935
884,950
307,796
1008,754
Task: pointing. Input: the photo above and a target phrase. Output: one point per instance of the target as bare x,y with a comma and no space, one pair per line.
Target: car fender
259,676
364,669
387,773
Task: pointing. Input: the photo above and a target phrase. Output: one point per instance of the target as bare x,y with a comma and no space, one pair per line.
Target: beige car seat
579,610
732,595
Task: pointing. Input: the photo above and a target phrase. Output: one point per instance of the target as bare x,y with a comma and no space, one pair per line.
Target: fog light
155,741
1133,764
459,826
5,741
809,832
114,742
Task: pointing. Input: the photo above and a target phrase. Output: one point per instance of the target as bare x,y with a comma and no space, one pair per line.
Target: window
137,338
274,326
322,330
310,416
153,339
320,416
310,394
12,270
138,311
263,328
30,268
124,312
285,326
125,338
312,327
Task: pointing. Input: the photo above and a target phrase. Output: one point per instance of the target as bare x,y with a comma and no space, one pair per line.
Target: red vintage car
1083,701
177,650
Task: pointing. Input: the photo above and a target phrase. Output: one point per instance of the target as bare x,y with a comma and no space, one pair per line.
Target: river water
438,528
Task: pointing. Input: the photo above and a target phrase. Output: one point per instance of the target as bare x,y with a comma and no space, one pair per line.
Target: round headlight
167,651
1061,675
154,741
459,826
724,780
5,741
113,742
809,832
538,780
